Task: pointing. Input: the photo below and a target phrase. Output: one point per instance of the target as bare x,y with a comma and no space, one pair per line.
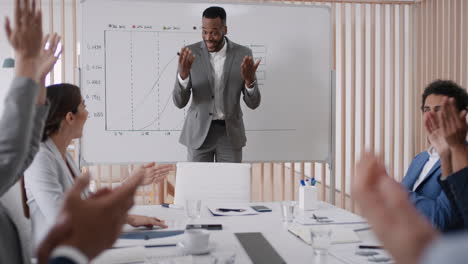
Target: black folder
259,249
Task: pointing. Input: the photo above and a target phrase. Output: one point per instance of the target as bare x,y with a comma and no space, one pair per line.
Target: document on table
230,210
166,237
333,216
339,235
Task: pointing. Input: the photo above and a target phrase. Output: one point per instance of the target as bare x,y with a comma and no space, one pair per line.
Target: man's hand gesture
248,69
186,59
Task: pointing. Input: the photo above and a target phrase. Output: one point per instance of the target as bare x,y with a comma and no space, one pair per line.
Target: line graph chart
140,71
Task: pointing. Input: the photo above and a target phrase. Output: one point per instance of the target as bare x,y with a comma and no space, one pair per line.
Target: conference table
291,248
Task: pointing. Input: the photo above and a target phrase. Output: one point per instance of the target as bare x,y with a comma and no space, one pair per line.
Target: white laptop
213,183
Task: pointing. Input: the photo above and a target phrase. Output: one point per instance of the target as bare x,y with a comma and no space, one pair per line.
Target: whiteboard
128,69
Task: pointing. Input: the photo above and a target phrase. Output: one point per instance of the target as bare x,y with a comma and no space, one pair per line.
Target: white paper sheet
246,210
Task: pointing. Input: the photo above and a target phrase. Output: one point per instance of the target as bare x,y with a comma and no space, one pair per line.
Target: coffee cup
196,240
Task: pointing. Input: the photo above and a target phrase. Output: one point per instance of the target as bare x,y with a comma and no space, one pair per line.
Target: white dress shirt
433,158
217,60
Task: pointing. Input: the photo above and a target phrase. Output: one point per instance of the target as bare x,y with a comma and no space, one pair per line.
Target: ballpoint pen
162,245
230,210
370,247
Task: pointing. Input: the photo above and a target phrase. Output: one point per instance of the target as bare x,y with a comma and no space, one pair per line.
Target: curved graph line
156,82
152,89
160,114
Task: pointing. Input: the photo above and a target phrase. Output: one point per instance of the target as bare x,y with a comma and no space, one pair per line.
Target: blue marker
312,182
303,183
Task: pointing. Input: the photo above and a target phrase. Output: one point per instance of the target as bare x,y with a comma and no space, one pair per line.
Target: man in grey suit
215,72
73,239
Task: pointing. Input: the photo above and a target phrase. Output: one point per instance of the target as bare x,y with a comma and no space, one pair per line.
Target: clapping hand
435,133
453,123
385,204
153,173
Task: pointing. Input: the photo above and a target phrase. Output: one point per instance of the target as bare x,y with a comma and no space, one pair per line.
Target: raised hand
26,36
248,69
47,57
45,63
186,58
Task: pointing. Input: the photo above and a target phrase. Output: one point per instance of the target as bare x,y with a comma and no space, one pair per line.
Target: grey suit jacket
21,125
201,87
46,182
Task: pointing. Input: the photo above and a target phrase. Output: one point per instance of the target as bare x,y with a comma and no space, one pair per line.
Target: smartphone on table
207,227
261,208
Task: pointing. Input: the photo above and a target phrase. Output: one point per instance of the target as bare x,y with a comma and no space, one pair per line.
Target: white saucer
201,251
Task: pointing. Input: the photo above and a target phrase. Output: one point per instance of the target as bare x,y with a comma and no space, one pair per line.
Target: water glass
223,257
176,223
287,211
192,208
321,241
225,254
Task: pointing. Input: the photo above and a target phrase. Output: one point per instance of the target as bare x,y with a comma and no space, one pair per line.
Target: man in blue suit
412,238
422,177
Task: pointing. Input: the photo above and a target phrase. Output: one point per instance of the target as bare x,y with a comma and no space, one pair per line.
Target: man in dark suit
216,72
422,177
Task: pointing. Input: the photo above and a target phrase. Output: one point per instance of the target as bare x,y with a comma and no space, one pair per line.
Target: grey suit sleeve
252,99
181,95
37,131
16,125
451,249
